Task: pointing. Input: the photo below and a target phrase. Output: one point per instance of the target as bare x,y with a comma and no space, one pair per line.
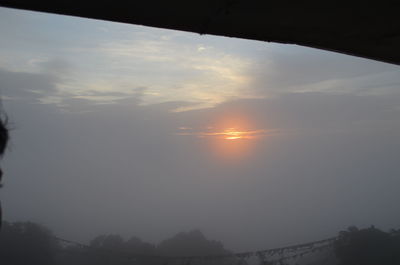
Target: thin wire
241,255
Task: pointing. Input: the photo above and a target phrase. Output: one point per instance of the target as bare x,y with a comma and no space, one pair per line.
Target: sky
138,131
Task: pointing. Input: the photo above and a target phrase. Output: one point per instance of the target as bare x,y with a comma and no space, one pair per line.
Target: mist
105,144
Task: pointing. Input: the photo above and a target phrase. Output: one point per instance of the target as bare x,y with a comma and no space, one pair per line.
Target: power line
283,253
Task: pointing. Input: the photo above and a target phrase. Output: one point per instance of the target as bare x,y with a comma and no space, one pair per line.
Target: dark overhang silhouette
369,30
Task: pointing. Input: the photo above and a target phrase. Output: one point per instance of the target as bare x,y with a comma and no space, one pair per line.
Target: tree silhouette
192,243
369,246
26,243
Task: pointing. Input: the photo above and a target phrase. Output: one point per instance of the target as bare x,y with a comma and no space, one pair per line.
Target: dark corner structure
370,30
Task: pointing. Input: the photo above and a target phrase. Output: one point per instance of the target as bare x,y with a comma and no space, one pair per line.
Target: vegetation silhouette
369,246
24,243
4,138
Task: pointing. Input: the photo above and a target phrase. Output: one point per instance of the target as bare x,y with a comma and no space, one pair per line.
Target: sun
233,134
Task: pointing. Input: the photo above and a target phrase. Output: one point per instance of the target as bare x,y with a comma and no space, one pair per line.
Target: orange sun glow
229,136
233,134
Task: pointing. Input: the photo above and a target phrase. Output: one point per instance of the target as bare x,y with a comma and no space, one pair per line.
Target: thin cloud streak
232,133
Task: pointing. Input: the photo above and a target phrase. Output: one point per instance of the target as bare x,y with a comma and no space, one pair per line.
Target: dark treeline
369,246
24,243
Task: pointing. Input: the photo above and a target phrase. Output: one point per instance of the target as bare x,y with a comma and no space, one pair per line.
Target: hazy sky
139,131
